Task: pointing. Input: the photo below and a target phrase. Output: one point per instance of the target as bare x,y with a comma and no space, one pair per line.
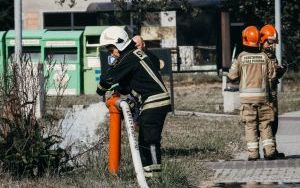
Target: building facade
196,37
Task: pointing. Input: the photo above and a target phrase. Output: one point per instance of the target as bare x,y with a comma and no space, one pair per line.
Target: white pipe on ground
135,153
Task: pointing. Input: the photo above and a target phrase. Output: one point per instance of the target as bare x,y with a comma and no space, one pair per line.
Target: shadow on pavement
292,157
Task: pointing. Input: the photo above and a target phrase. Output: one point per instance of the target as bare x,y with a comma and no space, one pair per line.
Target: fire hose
114,103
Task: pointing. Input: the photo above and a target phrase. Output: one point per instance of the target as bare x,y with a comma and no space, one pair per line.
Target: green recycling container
31,45
92,65
2,53
62,55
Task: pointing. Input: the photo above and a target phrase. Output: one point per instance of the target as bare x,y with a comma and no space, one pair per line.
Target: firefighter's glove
100,90
131,102
280,70
274,83
134,107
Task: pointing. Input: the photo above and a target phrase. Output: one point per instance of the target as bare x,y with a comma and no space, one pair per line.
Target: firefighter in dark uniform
135,68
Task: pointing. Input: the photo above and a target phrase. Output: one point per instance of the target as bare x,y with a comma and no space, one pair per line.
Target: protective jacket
273,100
255,72
280,70
136,70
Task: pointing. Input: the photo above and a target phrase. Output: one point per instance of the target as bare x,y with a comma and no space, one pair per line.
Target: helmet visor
272,41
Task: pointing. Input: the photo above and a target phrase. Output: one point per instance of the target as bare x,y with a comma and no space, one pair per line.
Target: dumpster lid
27,34
94,30
62,35
2,33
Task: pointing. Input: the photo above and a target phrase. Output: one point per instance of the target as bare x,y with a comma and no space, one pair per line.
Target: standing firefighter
134,68
255,72
268,40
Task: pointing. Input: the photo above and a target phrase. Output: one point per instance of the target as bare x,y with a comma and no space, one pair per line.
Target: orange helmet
250,36
268,33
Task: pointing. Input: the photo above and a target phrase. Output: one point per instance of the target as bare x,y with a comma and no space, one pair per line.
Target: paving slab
283,172
279,171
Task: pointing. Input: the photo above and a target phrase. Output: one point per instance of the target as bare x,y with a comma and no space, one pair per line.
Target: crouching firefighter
255,72
134,68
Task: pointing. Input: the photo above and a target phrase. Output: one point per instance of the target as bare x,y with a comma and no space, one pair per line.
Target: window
200,30
85,19
114,18
57,20
78,20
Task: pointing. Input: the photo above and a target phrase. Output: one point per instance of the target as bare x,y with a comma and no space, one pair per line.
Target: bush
26,148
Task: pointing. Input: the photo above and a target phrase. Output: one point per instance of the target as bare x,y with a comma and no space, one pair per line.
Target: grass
187,141
203,138
203,93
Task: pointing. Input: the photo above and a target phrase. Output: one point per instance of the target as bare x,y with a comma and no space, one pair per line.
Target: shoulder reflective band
153,75
140,54
148,69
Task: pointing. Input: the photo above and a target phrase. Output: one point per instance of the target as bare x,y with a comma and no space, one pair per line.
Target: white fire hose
135,153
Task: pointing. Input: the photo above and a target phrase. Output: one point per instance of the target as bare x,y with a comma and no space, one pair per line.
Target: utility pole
18,30
278,28
225,33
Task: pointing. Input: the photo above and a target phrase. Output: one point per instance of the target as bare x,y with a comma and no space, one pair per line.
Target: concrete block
231,101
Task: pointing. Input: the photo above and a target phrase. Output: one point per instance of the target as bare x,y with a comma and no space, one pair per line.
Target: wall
33,10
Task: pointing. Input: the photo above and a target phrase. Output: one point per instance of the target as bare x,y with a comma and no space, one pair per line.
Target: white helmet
116,36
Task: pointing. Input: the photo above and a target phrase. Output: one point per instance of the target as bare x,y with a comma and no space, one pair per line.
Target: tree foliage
140,8
260,12
6,14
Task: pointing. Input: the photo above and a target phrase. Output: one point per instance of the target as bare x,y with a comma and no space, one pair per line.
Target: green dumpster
31,42
92,66
2,53
61,52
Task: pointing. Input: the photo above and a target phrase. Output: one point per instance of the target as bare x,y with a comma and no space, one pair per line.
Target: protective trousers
274,104
257,119
151,124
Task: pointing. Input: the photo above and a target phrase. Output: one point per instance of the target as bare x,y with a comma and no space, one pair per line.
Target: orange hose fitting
114,134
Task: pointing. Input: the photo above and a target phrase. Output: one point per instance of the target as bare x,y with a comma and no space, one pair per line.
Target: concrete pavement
288,136
283,171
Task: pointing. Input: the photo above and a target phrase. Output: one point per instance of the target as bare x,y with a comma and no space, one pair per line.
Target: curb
191,113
